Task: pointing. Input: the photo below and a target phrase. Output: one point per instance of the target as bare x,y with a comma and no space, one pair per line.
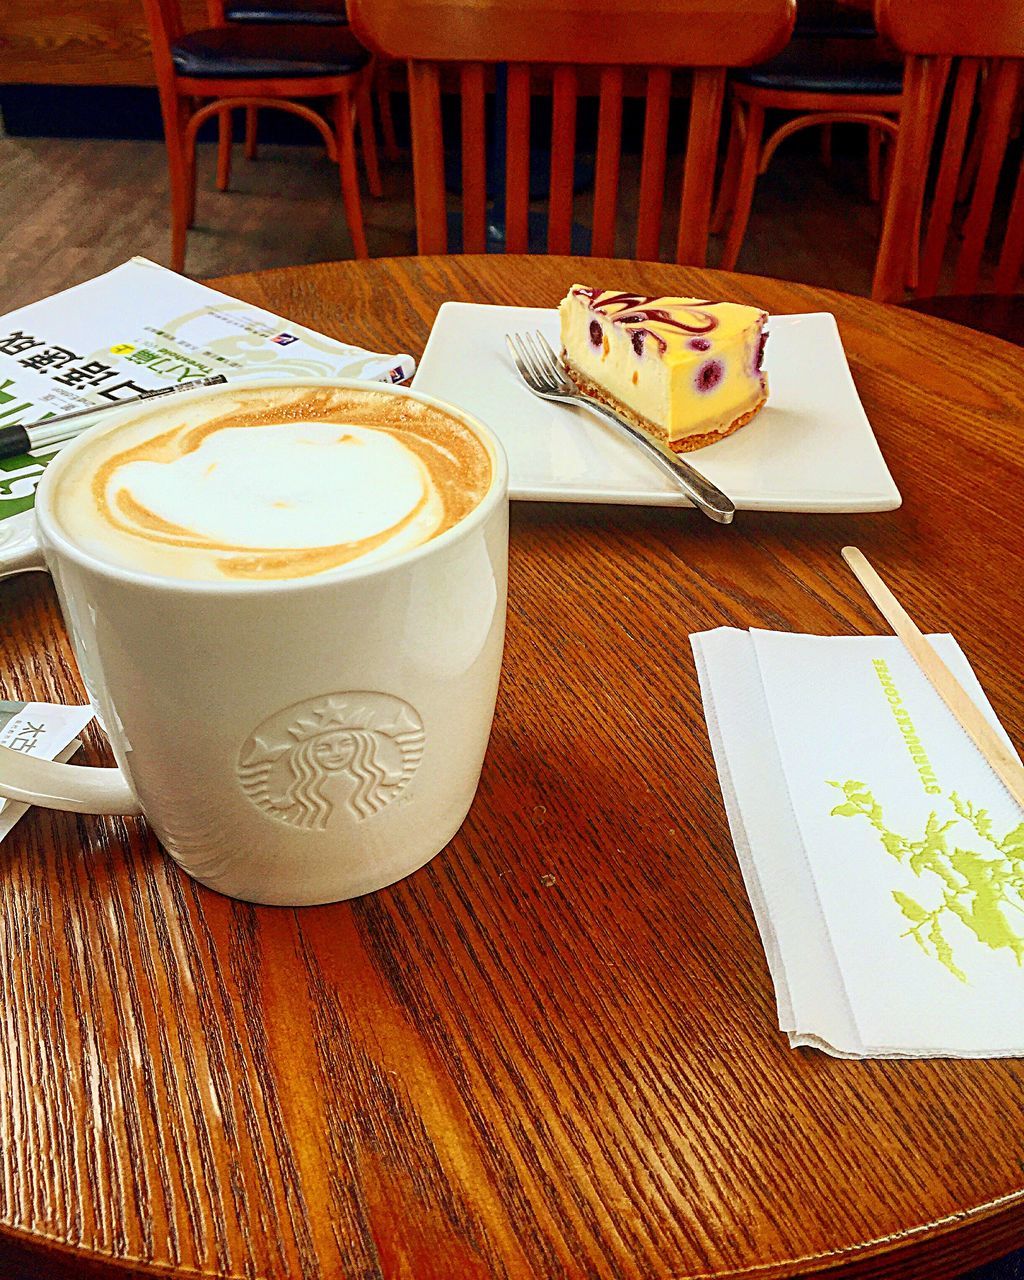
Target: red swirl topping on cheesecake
642,315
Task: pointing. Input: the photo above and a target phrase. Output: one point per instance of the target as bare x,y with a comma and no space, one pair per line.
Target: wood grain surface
79,41
554,1051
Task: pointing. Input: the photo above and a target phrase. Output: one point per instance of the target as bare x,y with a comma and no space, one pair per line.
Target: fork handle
708,497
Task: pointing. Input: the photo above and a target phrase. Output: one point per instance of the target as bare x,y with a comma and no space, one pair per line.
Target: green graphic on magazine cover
968,872
18,479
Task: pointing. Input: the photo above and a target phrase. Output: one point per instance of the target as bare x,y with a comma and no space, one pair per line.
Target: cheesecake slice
684,370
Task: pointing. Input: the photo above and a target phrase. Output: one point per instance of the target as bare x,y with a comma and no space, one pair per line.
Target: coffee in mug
288,605
283,484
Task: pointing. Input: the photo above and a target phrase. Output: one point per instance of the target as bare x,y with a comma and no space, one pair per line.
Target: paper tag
44,729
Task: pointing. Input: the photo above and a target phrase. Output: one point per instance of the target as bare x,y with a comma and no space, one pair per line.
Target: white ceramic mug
208,690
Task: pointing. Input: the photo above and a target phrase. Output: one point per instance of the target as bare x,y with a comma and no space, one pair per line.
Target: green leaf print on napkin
968,871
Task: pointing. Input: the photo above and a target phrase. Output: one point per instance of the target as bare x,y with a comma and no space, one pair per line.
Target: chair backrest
568,48
965,68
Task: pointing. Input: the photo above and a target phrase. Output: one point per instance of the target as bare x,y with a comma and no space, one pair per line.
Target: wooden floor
72,208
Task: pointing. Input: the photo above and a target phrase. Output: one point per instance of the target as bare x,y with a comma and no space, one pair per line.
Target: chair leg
874,165
224,149
190,186
914,255
730,172
182,175
346,143
745,186
251,147
900,213
368,136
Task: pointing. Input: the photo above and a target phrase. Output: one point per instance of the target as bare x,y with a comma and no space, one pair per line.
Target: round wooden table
554,1051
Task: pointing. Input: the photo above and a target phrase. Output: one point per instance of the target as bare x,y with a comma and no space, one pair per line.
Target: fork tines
536,361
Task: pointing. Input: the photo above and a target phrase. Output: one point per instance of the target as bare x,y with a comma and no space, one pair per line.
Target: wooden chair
205,73
976,53
557,47
313,13
835,69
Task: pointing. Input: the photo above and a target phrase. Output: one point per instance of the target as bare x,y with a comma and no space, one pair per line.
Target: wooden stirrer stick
1006,766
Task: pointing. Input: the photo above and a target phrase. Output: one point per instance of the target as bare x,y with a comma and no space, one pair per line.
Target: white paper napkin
883,859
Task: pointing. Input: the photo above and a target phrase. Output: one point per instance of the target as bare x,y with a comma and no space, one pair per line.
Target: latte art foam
277,483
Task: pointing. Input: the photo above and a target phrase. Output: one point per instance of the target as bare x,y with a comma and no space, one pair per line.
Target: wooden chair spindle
1012,257
609,152
941,215
428,157
1005,82
563,159
701,154
652,165
903,203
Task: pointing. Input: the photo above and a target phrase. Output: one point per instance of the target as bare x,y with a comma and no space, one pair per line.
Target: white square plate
811,448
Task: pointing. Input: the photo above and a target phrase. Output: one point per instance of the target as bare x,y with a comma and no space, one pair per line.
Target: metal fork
539,368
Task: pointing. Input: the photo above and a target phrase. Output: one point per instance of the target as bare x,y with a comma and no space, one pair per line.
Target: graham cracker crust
687,445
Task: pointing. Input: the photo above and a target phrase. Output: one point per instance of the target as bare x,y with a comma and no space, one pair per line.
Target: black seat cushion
816,64
268,52
314,13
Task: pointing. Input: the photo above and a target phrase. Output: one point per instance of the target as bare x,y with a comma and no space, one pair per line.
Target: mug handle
20,551
45,782
76,788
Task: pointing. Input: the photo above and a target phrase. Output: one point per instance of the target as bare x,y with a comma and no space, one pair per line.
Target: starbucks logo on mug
358,749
